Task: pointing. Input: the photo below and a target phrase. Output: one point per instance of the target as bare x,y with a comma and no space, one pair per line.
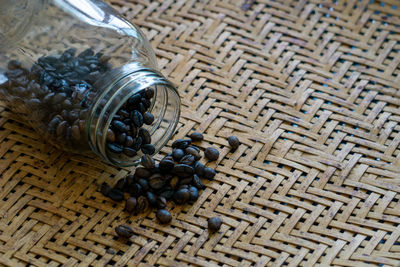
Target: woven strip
312,90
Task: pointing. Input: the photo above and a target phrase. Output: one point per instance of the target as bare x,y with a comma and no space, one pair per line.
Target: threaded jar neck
118,88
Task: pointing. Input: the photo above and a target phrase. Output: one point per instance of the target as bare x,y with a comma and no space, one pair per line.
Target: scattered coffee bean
167,164
188,159
143,172
233,142
156,181
144,184
193,194
145,135
120,185
161,202
116,194
181,143
151,198
183,170
182,196
124,231
211,153
197,182
105,189
119,125
130,152
147,161
199,169
164,216
196,137
130,204
177,154
209,173
193,151
148,149
214,224
142,204
115,148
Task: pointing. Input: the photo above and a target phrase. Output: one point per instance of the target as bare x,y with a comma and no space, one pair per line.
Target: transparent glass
71,68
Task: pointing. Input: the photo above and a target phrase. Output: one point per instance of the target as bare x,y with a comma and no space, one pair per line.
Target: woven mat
313,92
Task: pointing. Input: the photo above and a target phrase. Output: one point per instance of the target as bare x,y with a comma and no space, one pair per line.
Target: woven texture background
312,89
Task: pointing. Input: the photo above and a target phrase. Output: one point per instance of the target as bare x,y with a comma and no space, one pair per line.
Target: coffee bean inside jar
69,100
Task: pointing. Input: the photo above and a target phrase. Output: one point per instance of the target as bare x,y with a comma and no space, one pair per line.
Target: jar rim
112,99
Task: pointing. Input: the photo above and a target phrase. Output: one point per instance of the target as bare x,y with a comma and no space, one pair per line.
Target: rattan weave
312,89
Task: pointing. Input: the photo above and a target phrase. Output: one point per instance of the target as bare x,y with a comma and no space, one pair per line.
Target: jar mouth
165,106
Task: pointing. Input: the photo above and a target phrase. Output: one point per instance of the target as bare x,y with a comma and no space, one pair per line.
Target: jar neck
120,85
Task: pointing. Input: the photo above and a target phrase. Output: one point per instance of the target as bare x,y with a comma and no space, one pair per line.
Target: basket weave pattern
312,90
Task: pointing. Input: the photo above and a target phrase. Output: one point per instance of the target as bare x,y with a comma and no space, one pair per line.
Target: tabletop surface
312,90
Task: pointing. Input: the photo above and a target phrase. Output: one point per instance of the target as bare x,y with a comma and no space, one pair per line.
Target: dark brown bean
156,181
128,141
181,143
197,182
196,137
199,169
192,151
187,159
214,224
62,128
167,193
144,183
233,142
110,136
142,172
148,118
183,170
149,93
124,231
194,194
177,154
136,190
174,182
151,198
130,152
114,148
163,216
209,173
119,125
161,202
105,189
137,118
76,133
121,138
120,185
181,196
166,164
211,153
116,194
148,149
145,135
142,204
130,204
147,161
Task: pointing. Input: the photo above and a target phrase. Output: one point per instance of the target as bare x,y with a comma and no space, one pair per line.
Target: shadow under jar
85,78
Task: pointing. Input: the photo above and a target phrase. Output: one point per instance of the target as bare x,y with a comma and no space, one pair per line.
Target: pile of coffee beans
126,134
177,177
55,95
56,91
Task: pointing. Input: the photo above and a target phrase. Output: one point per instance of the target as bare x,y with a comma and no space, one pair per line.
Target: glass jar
85,79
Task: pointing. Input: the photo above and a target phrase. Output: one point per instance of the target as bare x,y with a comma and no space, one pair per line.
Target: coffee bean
120,185
136,190
163,216
194,194
177,154
134,100
166,164
211,153
105,189
114,148
214,224
130,204
145,135
62,128
137,118
167,193
183,170
121,138
142,204
123,113
76,134
129,180
130,152
199,169
209,173
144,183
197,182
181,143
187,159
142,172
137,143
192,151
124,231
186,181
116,194
110,136
149,93
13,65
196,137
148,118
181,196
148,149
174,182
151,198
156,181
161,202
119,125
233,142
128,141
147,161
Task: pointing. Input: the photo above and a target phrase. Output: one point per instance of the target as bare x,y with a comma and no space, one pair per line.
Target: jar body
72,71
